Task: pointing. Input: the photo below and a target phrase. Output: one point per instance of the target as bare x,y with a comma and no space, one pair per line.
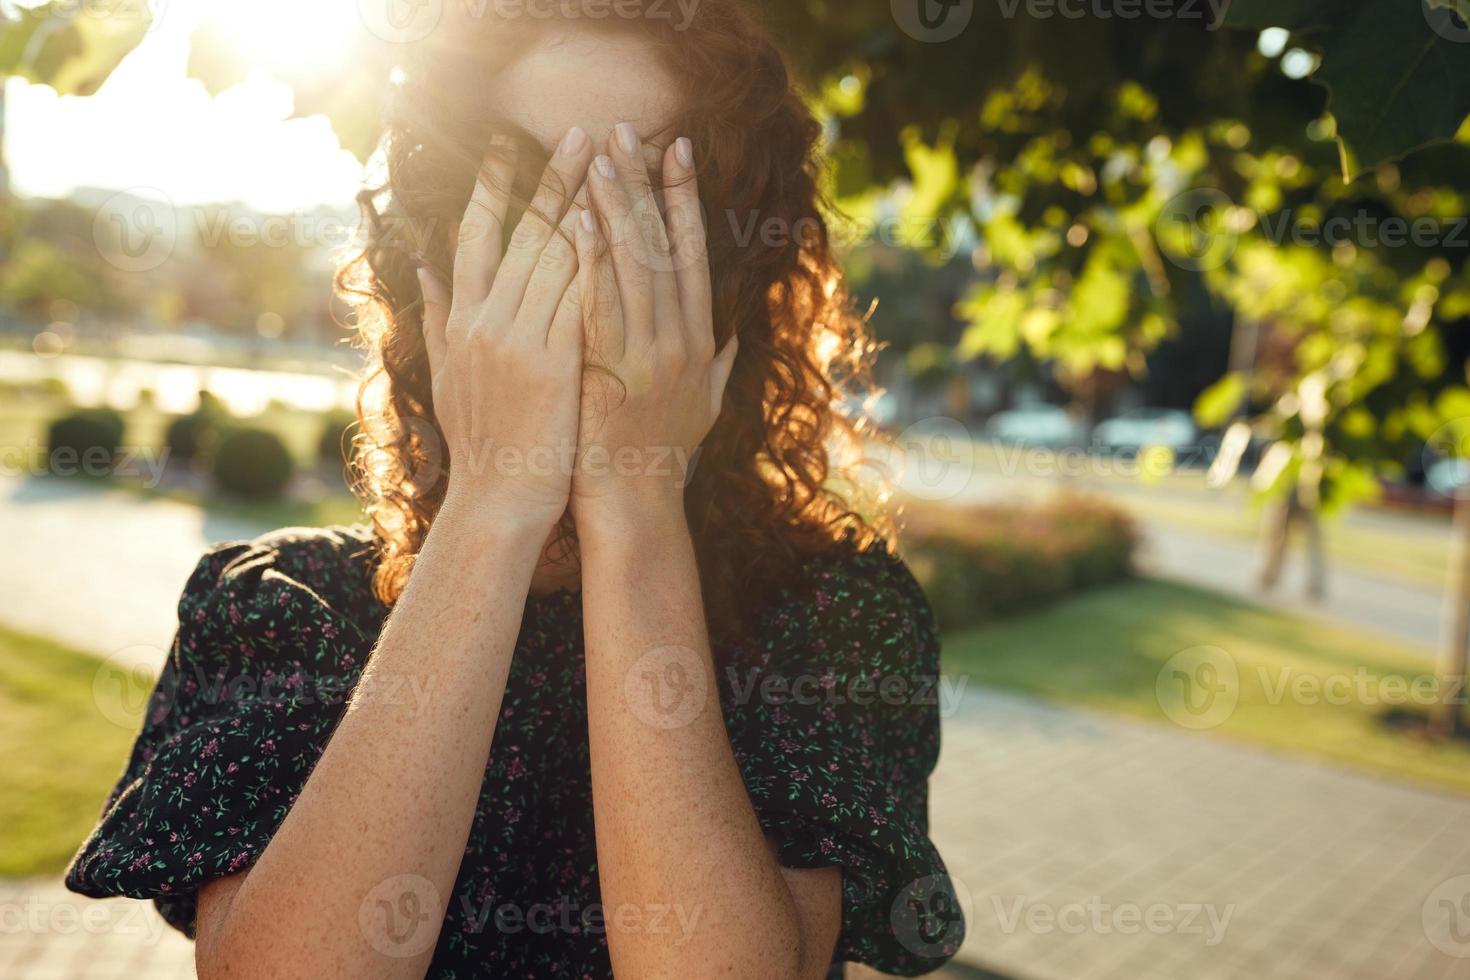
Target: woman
617,682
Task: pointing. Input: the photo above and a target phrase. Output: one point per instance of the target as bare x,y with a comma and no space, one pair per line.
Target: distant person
1286,516
573,705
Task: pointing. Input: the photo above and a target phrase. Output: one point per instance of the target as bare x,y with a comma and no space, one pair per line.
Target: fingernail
627,137
573,141
605,166
684,151
588,225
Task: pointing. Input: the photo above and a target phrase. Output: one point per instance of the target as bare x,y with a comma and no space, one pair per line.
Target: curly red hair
777,477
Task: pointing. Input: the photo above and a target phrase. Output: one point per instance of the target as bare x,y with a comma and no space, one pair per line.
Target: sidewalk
1058,813
100,569
1405,611
47,933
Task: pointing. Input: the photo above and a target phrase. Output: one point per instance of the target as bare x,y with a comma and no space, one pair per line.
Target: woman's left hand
654,382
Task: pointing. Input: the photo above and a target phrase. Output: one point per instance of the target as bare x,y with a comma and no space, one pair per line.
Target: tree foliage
1116,165
1111,167
72,47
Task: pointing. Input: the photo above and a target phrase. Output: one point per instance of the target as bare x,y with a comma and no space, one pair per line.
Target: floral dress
831,704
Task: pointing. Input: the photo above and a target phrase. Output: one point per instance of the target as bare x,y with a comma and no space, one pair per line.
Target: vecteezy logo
400,917
124,684
1446,917
133,233
1194,231
1199,687
667,687
938,458
400,21
1447,458
928,917
1450,19
933,21
158,11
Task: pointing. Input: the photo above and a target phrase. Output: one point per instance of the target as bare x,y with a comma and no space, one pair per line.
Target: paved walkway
99,569
47,933
1250,864
1400,610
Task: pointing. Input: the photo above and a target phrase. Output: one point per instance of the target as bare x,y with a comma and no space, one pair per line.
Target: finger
628,153
554,272
636,235
436,316
604,324
689,246
631,280
567,325
478,253
719,374
560,183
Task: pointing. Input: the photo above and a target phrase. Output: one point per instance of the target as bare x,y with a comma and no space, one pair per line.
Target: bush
979,564
84,442
252,463
333,447
190,437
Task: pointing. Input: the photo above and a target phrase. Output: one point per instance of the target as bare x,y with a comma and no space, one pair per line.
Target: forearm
394,793
675,827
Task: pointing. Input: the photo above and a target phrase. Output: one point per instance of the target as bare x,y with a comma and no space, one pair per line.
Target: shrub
84,442
252,463
333,447
979,564
190,437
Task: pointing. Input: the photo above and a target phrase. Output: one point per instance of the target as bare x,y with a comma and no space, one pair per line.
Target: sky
157,133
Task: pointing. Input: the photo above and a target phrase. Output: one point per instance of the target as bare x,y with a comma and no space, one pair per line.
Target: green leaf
349,93
1218,403
1399,74
1291,14
1398,71
70,47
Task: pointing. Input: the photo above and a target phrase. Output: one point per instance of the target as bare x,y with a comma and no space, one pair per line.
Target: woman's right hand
505,347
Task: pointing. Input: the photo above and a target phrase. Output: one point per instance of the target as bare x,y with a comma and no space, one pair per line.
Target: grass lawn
1303,687
58,754
335,508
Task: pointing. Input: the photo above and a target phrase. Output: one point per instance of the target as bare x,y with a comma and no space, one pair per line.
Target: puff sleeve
833,715
259,672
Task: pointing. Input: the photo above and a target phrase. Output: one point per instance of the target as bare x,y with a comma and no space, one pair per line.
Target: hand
505,349
655,384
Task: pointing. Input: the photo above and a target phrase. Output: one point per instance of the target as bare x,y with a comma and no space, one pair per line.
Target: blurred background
1174,298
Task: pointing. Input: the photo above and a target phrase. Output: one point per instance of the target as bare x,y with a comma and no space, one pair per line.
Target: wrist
629,515
479,517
